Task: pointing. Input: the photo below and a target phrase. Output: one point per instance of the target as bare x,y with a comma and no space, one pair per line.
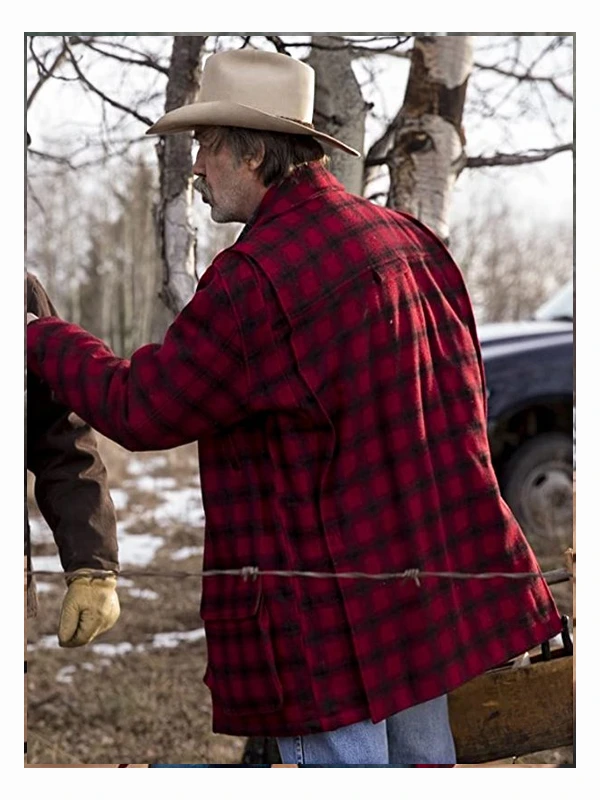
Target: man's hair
283,152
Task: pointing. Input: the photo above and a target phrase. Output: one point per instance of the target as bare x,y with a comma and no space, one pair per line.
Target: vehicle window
559,306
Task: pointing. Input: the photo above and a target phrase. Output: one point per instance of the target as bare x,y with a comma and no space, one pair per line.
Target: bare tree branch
527,77
514,159
537,89
45,73
145,61
31,193
103,96
527,71
63,160
279,45
345,43
126,48
496,160
69,160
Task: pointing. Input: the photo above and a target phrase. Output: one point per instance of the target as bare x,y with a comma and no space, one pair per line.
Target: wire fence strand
551,577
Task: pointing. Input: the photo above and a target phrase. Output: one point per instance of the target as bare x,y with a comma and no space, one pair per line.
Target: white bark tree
176,231
428,153
340,109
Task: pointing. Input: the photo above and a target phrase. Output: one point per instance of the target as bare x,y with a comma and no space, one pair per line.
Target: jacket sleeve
71,486
191,386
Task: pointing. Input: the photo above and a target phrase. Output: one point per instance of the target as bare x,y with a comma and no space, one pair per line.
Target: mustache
200,186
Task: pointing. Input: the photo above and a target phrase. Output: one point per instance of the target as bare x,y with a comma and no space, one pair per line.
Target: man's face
228,185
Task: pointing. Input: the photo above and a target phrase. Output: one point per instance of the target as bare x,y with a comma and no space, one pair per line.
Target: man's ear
254,161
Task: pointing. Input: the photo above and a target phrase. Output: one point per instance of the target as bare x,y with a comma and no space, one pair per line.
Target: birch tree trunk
428,154
340,109
176,232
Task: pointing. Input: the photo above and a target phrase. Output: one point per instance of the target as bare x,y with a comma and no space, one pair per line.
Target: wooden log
512,712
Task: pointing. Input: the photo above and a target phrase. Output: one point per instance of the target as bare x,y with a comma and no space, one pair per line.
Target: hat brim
236,115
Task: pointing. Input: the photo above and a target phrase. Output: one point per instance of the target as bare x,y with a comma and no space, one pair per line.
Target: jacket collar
305,183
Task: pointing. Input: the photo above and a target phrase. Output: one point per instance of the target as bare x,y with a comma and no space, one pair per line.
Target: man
328,368
72,493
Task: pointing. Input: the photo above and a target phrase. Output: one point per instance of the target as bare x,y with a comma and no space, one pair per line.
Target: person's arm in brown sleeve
72,493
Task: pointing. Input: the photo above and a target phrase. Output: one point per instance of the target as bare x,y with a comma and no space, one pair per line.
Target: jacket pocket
241,672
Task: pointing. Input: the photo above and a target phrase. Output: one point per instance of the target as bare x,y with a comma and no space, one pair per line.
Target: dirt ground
136,695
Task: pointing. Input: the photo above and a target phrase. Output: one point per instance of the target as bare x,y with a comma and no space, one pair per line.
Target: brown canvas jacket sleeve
71,486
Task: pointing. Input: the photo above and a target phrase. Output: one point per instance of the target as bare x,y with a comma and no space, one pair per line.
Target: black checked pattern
328,367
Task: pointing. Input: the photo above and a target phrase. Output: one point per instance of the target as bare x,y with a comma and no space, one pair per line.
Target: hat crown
270,82
251,89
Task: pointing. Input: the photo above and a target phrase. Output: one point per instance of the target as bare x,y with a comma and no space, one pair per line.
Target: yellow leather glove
90,607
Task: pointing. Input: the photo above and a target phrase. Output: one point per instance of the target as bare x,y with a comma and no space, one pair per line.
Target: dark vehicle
531,418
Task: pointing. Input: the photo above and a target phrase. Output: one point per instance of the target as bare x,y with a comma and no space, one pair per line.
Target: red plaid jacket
329,369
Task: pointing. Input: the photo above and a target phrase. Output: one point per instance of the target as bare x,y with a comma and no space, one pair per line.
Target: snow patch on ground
118,649
181,505
138,549
44,643
168,639
65,674
119,498
172,639
138,466
149,483
144,594
186,552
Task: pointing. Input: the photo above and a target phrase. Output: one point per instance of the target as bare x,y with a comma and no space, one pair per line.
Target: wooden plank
512,712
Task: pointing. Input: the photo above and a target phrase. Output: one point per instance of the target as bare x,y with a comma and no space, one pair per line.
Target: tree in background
340,109
175,228
510,268
427,152
119,297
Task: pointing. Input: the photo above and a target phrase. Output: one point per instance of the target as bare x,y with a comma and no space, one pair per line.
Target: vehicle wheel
537,484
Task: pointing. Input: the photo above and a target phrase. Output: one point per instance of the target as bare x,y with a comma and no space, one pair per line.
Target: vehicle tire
537,484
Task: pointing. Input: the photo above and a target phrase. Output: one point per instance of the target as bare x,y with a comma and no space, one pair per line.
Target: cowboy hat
251,89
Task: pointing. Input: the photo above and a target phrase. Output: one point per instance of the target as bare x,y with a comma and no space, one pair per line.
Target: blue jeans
418,735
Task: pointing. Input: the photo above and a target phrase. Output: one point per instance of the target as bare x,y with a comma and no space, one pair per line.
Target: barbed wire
551,577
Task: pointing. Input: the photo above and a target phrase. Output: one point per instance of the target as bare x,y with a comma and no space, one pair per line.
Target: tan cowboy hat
251,89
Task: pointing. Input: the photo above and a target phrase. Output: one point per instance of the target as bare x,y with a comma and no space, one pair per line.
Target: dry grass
140,708
151,706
